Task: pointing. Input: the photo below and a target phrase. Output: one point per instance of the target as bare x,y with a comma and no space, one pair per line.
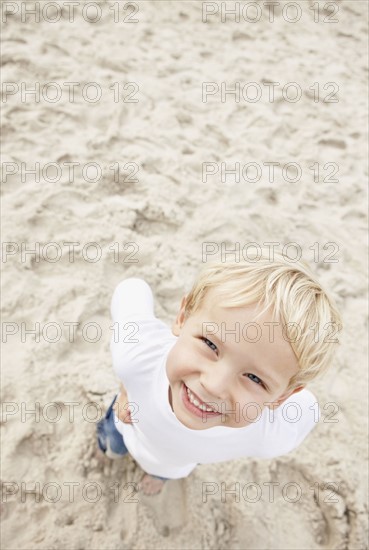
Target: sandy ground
168,214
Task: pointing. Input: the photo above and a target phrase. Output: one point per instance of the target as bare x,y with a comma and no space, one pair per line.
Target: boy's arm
132,297
132,305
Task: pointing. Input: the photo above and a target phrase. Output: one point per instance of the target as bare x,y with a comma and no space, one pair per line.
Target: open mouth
194,405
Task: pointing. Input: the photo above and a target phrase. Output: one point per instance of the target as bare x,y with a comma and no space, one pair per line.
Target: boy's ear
285,396
178,323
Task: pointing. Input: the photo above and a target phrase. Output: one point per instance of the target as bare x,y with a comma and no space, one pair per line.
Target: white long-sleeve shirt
158,441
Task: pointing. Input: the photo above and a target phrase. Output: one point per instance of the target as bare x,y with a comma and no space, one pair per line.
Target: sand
167,216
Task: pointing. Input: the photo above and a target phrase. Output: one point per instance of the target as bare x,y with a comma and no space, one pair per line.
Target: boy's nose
215,386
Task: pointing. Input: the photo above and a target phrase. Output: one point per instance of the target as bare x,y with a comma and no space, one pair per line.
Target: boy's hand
122,413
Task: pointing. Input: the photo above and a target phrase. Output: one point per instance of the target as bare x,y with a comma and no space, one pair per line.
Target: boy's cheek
176,373
171,365
179,363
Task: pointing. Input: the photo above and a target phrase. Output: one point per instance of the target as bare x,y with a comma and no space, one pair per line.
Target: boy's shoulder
290,423
138,341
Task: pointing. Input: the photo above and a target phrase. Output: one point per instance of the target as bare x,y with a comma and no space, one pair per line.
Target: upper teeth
197,403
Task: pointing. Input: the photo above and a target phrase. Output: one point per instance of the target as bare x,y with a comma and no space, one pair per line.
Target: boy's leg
110,441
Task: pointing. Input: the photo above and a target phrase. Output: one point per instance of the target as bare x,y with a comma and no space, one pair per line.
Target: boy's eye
257,381
209,344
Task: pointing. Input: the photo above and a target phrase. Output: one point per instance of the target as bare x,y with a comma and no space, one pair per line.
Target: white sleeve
308,412
294,420
310,417
132,298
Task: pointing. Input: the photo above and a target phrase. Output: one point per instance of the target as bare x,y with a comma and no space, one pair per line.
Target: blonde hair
295,296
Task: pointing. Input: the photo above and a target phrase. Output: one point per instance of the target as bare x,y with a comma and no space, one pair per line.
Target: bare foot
150,485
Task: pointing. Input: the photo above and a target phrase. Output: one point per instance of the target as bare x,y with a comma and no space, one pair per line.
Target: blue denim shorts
111,441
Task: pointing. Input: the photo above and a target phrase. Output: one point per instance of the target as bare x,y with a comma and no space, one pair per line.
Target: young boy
228,381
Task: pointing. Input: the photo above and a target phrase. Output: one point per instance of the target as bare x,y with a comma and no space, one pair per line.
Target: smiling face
227,365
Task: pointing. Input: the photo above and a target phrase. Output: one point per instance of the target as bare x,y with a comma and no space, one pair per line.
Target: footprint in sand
167,508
